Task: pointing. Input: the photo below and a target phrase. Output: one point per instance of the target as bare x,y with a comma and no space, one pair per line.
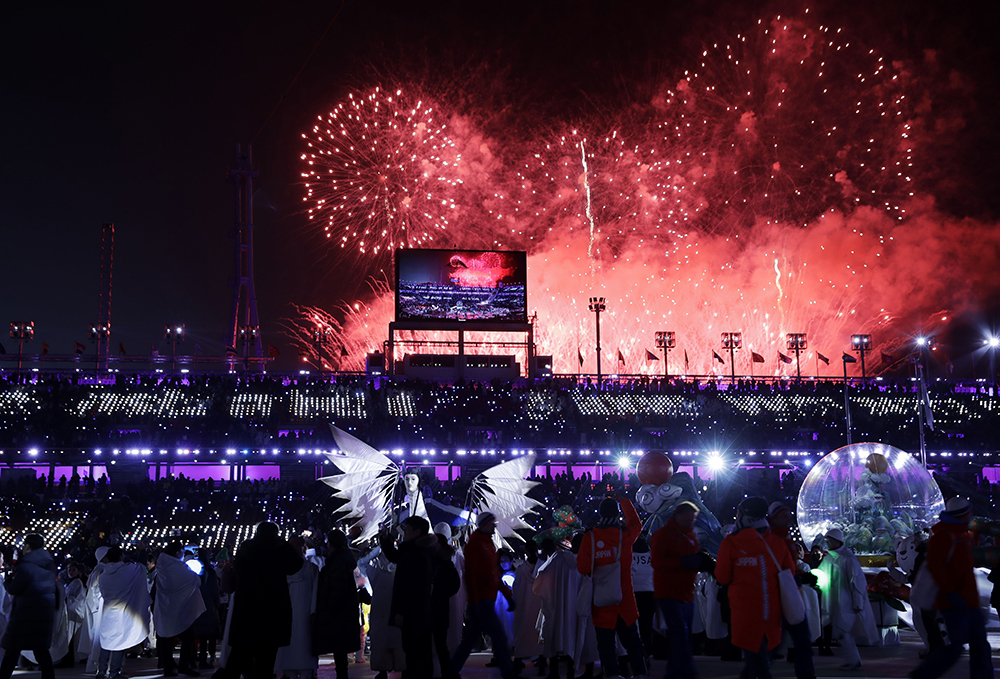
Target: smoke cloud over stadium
786,178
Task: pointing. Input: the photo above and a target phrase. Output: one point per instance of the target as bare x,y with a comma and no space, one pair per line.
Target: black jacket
337,624
446,585
414,581
262,607
33,611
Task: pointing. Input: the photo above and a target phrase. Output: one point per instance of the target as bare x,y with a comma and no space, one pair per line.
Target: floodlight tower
732,341
597,305
666,340
244,309
861,344
796,341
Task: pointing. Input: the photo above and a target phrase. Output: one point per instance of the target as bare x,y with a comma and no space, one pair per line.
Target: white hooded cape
528,606
557,584
848,590
178,601
125,620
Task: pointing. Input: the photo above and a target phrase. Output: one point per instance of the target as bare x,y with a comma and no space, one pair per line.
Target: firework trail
771,189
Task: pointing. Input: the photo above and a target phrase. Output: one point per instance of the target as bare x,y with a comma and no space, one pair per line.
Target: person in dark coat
262,609
207,629
411,593
33,611
337,623
446,585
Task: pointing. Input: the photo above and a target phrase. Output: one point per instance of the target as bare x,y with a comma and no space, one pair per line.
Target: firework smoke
773,188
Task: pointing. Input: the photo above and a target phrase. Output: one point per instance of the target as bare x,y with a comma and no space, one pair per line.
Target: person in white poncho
125,619
850,610
177,603
87,646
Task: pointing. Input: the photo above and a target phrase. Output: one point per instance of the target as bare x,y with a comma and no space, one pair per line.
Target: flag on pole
79,348
45,349
273,350
783,358
121,349
197,349
718,358
687,365
650,356
153,351
343,351
847,358
887,359
822,358
579,355
755,357
230,350
621,359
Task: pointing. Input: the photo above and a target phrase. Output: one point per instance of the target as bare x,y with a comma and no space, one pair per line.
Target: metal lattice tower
244,309
104,309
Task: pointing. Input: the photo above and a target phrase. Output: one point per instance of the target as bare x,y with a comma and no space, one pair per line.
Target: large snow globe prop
873,492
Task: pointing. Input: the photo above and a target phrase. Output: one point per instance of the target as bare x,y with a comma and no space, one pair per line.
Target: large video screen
461,285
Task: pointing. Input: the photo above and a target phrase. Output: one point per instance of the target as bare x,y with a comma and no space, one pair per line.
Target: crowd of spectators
229,410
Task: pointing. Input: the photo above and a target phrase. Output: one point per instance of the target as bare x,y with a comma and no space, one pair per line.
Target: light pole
732,341
321,333
21,331
98,332
597,305
247,334
991,345
175,334
847,358
796,341
666,340
861,344
926,343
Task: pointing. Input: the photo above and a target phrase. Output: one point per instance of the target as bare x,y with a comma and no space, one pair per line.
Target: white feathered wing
502,490
368,482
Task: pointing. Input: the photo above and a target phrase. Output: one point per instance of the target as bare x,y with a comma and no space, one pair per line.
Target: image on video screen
461,285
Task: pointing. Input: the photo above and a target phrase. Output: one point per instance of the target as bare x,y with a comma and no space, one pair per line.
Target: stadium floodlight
732,341
992,343
22,332
174,334
666,340
597,305
796,341
861,344
716,463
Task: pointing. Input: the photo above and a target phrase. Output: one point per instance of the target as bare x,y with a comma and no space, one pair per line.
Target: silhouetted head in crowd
267,530
336,540
32,542
174,549
114,554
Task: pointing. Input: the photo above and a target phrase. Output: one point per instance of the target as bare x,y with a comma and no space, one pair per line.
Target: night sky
131,113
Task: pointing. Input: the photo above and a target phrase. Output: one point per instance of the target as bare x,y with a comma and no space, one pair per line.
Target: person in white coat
87,646
296,660
386,640
125,619
177,603
557,584
849,608
527,606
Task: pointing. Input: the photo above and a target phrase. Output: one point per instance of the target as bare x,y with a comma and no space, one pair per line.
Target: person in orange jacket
677,559
949,560
600,548
745,564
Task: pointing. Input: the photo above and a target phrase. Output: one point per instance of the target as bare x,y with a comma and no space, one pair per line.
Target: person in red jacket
600,548
949,561
676,561
482,583
745,564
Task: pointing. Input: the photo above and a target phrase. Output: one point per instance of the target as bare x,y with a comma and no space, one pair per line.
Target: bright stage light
715,462
993,342
624,462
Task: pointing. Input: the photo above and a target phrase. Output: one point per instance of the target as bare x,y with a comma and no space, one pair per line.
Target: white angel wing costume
367,482
368,485
503,491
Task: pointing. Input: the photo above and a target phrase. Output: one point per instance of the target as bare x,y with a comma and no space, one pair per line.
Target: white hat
483,518
443,529
776,507
957,506
836,534
100,553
